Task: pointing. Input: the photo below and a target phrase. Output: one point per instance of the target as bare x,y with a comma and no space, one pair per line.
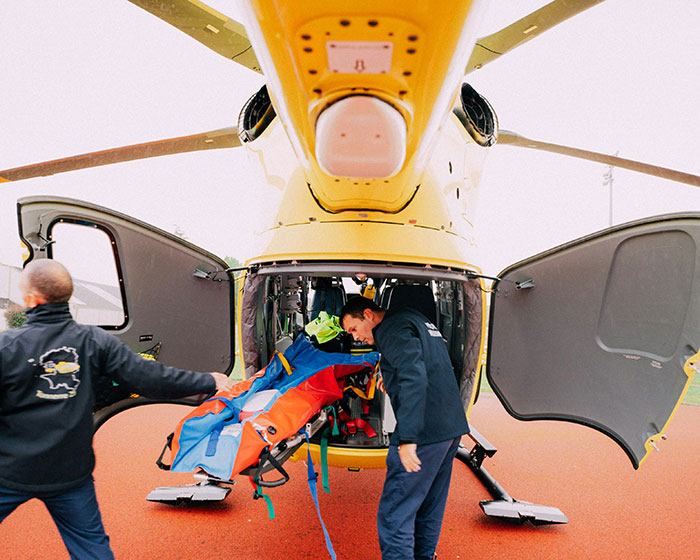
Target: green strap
324,446
324,461
331,411
268,501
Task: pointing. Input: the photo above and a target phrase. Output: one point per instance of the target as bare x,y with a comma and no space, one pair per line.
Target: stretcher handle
265,455
168,445
273,483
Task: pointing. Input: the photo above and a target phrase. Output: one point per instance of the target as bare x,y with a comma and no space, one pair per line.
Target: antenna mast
608,180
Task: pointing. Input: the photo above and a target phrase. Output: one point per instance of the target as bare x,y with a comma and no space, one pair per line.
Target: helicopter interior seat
418,296
328,297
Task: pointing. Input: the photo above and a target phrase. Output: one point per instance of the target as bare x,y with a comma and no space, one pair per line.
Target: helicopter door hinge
525,284
199,273
39,244
213,275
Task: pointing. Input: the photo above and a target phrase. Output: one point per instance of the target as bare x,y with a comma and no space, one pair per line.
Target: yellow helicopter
375,142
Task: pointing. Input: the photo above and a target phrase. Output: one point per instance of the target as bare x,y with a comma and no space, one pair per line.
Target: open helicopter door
168,300
603,331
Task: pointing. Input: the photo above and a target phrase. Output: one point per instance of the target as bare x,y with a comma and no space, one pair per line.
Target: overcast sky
78,76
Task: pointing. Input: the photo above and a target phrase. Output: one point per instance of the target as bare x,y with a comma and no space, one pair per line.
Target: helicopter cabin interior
279,302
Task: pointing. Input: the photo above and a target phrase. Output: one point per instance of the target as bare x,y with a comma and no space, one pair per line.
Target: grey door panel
174,293
598,331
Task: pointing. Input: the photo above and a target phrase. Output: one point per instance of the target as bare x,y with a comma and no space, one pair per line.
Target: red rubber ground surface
613,511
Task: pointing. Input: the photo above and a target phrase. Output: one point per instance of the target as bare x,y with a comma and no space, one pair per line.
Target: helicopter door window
86,251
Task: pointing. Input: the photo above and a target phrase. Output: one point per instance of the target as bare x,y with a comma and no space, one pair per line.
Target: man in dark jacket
48,368
422,387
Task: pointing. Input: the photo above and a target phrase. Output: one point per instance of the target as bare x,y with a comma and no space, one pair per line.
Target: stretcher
254,427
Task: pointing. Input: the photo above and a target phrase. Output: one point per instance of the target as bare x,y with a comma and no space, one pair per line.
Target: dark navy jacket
419,379
48,369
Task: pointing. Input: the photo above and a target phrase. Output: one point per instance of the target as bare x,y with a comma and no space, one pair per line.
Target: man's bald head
47,281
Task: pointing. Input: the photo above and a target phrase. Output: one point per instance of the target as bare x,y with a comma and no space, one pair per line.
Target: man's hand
223,383
380,384
409,457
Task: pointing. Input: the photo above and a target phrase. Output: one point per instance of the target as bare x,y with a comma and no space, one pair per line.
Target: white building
92,303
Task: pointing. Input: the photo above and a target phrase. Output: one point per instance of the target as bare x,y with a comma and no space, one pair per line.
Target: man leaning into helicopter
430,417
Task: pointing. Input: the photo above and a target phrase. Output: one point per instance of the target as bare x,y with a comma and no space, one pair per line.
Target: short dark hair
355,307
50,279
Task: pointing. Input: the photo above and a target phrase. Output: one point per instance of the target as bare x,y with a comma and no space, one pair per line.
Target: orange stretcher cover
223,439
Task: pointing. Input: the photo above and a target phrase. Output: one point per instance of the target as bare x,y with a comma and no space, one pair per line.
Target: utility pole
608,180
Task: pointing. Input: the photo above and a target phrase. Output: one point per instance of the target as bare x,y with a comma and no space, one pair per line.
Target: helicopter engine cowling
255,116
477,116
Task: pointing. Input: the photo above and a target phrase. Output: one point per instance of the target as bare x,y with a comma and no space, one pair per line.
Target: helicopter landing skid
502,504
208,489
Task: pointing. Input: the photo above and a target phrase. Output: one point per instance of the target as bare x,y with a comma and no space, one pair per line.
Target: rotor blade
211,28
508,138
492,46
223,138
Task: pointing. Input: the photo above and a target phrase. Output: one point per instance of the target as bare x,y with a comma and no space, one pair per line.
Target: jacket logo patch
60,368
433,330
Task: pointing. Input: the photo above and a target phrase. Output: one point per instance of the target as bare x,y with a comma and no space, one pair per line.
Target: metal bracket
199,273
482,448
525,284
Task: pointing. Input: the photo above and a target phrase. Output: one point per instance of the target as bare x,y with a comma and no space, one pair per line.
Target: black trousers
76,515
412,505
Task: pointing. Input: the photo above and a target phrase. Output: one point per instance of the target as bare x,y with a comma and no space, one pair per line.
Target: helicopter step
502,504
